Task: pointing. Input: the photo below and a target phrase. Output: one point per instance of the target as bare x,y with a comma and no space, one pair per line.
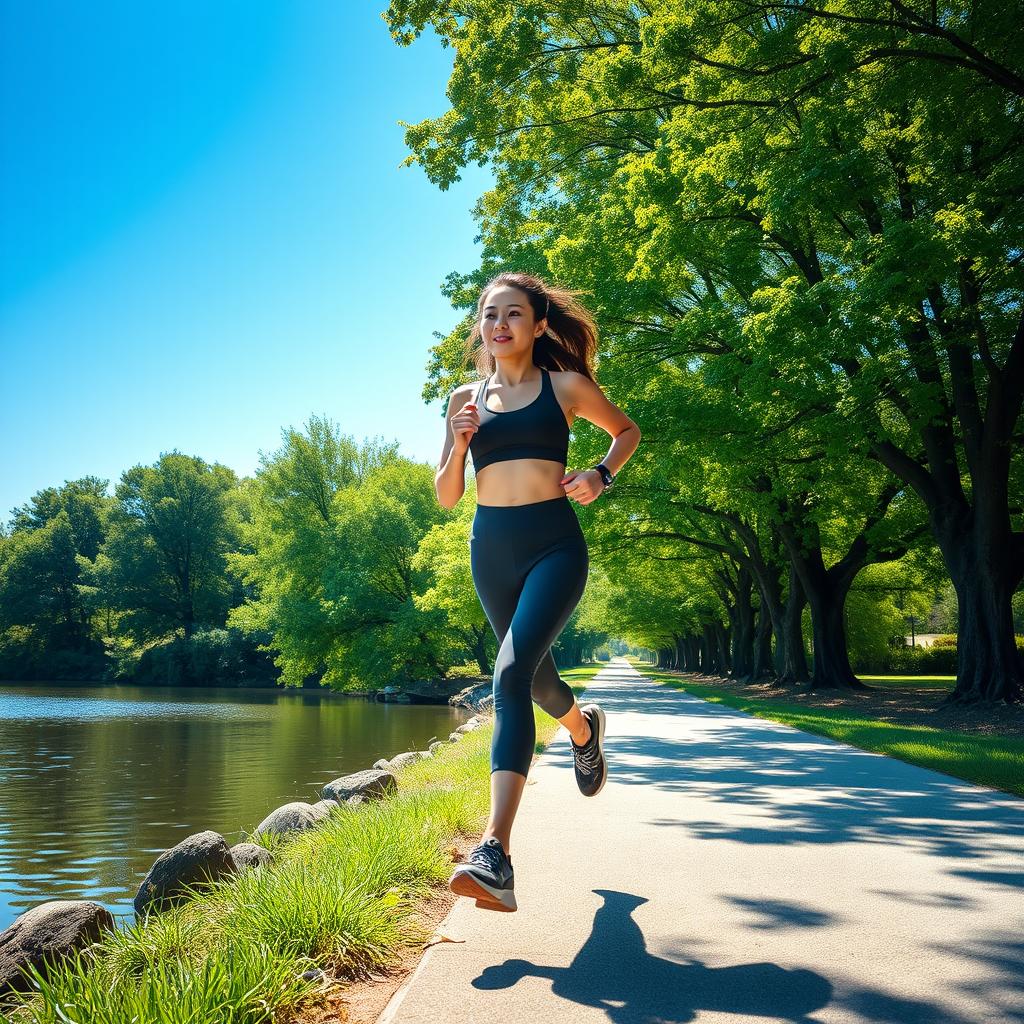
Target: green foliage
210,657
162,566
328,560
805,269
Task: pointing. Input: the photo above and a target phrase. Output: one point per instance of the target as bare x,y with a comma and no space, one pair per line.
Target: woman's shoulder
463,393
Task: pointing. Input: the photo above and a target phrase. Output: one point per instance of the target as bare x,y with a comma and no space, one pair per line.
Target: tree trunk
478,647
985,578
790,642
762,666
691,651
741,617
722,656
827,589
831,658
707,647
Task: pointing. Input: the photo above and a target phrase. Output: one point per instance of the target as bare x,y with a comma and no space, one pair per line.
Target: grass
339,897
895,682
995,761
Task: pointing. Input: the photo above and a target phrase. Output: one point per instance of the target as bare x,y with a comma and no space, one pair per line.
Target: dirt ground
907,705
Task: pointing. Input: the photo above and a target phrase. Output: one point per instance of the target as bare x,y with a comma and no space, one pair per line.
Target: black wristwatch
606,475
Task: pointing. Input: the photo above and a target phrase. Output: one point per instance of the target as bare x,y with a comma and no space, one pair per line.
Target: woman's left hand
583,485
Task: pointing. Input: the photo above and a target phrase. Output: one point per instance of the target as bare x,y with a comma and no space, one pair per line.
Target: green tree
781,186
44,598
163,562
443,559
329,539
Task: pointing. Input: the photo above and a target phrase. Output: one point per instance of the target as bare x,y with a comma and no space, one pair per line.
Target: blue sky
206,237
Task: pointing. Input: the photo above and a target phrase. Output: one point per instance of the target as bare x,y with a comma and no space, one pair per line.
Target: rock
454,737
477,697
44,934
382,765
370,784
195,861
250,855
322,808
296,816
356,800
436,746
394,695
406,758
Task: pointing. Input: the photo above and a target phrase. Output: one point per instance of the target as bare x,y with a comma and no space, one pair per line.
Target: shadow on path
858,796
614,971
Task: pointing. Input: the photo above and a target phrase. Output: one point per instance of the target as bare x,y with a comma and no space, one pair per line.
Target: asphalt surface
735,869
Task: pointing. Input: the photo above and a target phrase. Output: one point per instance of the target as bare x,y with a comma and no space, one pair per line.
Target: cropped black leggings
529,565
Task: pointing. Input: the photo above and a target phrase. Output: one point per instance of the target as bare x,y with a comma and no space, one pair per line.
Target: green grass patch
339,897
895,682
995,761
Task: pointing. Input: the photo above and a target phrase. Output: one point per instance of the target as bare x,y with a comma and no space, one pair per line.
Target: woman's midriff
519,482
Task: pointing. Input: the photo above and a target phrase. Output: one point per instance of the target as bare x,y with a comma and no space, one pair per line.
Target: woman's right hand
465,424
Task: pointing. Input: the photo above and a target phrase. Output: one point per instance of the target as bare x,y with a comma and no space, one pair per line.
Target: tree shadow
727,756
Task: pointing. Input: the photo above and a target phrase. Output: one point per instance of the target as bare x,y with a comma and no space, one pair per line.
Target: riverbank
898,718
342,913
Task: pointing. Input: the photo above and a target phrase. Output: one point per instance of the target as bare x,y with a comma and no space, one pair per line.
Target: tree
163,562
782,185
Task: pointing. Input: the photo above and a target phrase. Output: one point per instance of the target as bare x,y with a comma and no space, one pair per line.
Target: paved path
735,869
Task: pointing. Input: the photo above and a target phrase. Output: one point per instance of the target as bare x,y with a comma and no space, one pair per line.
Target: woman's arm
461,423
590,402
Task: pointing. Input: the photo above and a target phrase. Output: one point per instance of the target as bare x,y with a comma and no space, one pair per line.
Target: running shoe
590,766
487,876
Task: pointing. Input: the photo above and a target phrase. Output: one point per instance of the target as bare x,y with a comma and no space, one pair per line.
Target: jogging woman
528,554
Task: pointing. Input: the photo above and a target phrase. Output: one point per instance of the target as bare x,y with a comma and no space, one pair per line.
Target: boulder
436,746
250,855
296,816
406,758
46,933
370,784
322,808
382,765
478,696
195,861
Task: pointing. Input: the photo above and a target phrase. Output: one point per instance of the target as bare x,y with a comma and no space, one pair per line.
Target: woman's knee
552,694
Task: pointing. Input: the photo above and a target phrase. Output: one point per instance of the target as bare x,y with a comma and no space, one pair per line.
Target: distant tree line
333,566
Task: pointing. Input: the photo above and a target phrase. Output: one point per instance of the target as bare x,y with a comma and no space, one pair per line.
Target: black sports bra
536,431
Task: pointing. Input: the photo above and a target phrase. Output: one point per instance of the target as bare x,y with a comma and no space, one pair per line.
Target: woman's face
507,324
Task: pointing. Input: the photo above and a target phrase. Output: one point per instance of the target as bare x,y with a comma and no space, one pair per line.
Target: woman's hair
569,343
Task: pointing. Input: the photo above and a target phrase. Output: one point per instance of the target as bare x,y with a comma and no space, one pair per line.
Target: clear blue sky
205,235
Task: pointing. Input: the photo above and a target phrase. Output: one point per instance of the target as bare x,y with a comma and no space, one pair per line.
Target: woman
528,555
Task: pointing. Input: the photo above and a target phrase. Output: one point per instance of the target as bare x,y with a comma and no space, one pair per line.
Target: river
96,781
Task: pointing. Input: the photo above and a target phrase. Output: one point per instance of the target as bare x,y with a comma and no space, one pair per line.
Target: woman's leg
552,693
550,592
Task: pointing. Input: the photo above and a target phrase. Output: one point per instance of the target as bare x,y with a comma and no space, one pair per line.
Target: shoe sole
463,883
599,715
